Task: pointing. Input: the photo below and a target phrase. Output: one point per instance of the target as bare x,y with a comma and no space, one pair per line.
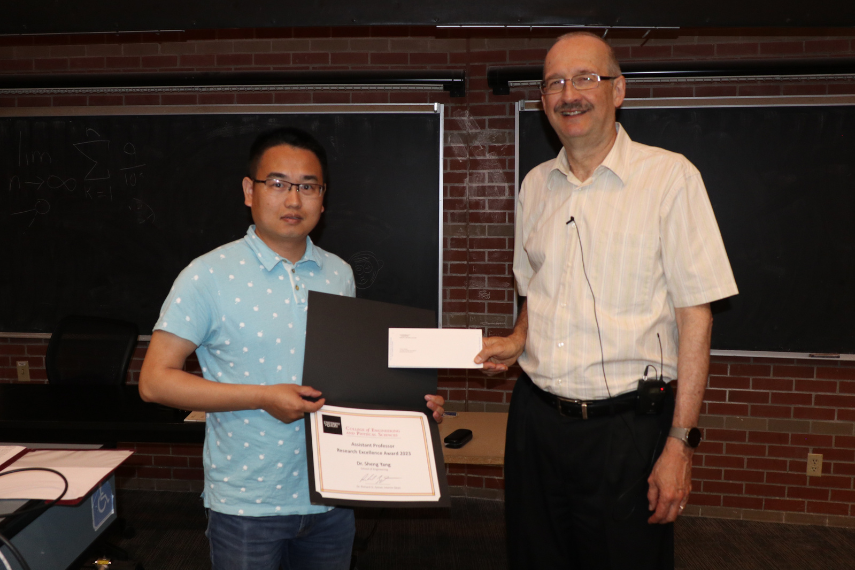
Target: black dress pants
576,490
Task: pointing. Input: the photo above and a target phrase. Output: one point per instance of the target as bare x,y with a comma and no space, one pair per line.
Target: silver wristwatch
691,437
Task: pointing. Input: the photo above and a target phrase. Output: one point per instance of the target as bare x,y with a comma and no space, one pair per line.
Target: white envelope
434,348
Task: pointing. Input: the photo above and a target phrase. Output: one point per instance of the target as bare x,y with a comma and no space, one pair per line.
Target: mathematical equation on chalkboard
99,173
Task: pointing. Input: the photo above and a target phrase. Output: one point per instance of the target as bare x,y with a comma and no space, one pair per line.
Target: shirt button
560,344
297,287
293,270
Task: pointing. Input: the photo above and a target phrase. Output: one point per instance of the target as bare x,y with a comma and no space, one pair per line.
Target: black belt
588,409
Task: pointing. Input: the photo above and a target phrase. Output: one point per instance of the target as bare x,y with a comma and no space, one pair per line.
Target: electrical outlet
814,465
23,370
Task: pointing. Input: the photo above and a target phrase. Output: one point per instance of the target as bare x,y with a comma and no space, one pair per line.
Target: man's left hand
670,482
435,403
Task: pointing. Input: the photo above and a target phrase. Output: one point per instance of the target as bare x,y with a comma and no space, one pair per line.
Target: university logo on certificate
373,455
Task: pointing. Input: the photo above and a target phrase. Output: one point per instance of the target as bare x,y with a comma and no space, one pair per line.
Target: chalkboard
781,179
100,212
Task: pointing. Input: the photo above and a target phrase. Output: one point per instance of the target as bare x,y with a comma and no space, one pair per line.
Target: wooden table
487,446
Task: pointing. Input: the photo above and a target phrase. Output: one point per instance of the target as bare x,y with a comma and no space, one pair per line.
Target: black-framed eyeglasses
579,82
306,189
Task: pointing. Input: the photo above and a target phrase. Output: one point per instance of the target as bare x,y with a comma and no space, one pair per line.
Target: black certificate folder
346,358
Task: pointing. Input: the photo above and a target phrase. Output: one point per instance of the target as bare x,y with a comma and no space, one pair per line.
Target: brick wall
762,416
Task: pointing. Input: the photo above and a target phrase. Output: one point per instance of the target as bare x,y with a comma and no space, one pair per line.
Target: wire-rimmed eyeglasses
306,189
579,82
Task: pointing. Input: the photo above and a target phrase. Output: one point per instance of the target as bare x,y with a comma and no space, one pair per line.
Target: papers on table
434,348
9,453
84,469
373,455
195,417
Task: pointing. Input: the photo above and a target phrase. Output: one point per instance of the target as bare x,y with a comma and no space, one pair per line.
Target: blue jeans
291,542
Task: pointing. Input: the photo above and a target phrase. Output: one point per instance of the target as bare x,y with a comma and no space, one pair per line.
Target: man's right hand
285,401
499,352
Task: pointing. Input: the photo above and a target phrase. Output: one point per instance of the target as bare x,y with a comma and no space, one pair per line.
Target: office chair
93,351
90,351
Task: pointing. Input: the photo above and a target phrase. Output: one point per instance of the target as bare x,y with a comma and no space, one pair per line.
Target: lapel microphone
572,220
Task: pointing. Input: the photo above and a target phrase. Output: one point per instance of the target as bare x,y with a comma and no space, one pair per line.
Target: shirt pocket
624,266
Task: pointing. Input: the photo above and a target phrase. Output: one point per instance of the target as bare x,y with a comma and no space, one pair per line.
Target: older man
619,255
243,309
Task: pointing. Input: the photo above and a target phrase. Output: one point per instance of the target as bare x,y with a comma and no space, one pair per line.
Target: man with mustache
618,253
243,309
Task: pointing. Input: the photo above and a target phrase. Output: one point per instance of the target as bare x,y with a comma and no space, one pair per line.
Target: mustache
573,106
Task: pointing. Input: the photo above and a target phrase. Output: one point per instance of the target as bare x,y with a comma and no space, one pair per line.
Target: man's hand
499,352
436,404
670,483
285,401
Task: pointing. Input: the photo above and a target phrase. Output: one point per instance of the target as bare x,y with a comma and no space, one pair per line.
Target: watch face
694,437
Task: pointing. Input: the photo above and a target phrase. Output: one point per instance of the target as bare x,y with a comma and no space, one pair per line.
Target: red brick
723,487
254,98
388,58
805,90
722,409
169,461
807,493
188,450
800,413
812,440
750,370
142,99
292,98
725,435
734,462
159,61
759,90
474,482
123,62
16,65
703,473
760,490
734,382
846,415
766,464
794,371
693,50
490,483
748,397
844,441
827,508
847,455
188,474
330,97
456,480
833,373
761,411
834,401
198,60
178,99
106,100
792,398
77,63
710,448
272,59
532,55
737,49
650,52
743,502
743,475
846,387
746,449
842,496
788,451
784,505
827,46
216,98
790,479
713,395
716,91
816,386
780,48
705,500
485,470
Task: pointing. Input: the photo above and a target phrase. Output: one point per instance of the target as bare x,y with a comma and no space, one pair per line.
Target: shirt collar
616,160
269,258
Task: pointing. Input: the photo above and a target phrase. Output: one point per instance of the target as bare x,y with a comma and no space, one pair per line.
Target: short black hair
290,136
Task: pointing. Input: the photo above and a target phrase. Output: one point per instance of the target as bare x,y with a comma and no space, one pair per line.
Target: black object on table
42,413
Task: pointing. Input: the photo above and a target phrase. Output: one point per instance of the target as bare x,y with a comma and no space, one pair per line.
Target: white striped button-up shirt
649,243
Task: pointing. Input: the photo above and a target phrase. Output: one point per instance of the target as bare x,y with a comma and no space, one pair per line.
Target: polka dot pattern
250,325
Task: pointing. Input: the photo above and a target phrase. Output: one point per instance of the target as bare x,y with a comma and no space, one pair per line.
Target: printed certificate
373,455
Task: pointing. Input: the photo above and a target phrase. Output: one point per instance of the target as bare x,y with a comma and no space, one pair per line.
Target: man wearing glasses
618,253
242,308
